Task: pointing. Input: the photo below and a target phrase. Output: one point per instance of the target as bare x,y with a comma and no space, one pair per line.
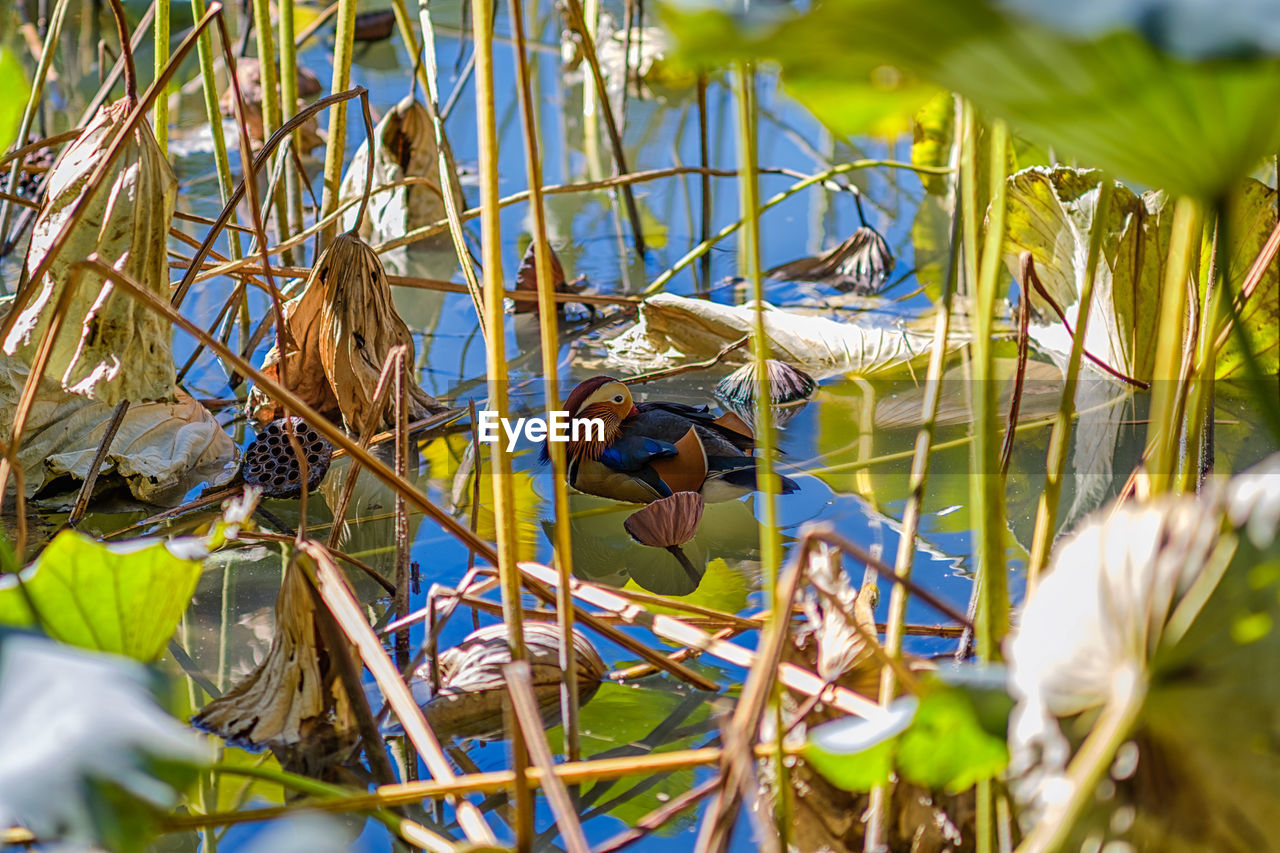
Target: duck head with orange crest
600,398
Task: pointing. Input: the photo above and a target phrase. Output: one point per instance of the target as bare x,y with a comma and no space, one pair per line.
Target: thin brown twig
1044,294
1015,400
91,477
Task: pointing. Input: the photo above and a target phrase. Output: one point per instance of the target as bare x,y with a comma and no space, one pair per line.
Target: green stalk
288,107
161,29
335,151
991,616
427,74
548,317
33,103
767,480
874,838
209,87
504,505
1167,388
987,488
1055,464
825,175
271,118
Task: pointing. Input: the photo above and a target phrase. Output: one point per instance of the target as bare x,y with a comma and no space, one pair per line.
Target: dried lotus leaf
126,224
303,370
293,698
406,149
359,326
527,280
473,688
666,522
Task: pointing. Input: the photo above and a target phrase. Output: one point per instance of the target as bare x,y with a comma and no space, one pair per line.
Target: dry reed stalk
917,483
410,793
737,776
678,631
504,506
577,23
534,583
347,611
448,169
525,706
255,166
548,318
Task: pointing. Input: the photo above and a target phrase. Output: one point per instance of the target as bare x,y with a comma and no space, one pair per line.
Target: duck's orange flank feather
687,470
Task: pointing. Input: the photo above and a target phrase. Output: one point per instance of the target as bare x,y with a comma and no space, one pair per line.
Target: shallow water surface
848,448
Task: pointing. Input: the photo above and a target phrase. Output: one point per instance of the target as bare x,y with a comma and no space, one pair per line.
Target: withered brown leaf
340,330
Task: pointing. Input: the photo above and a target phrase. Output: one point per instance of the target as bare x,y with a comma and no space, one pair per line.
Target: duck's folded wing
632,452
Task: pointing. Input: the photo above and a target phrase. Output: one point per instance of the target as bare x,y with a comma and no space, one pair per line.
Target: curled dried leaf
527,280
469,703
667,522
861,264
406,148
294,696
126,224
340,330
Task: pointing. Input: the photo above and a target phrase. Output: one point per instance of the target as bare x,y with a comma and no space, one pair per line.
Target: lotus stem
160,124
1167,385
767,481
291,212
504,506
874,838
548,318
29,113
1055,464
209,87
335,151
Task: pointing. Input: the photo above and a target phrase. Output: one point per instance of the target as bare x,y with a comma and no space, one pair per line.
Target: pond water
831,445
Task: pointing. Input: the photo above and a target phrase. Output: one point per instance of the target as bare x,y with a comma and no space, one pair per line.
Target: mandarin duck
654,449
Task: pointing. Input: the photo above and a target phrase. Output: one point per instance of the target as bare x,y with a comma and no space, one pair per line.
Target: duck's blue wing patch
633,452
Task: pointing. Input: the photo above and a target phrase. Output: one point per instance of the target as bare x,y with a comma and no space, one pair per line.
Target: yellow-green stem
991,614
335,152
1167,387
209,88
495,348
1055,464
987,486
288,107
548,317
766,442
161,29
874,839
271,118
